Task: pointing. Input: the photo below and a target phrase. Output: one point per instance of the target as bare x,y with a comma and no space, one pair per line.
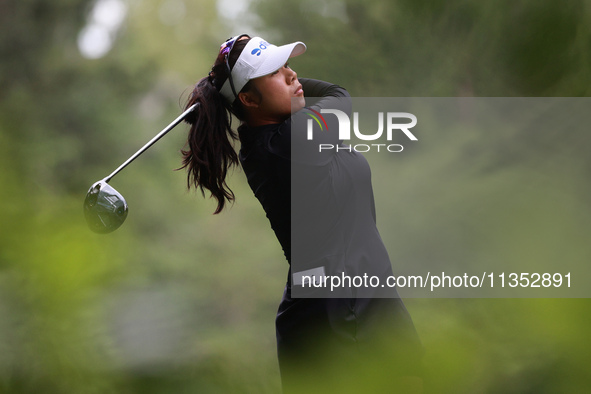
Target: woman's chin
297,103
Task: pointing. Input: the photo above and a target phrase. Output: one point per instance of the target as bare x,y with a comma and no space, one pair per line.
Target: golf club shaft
153,141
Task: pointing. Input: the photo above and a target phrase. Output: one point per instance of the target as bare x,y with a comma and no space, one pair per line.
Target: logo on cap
262,46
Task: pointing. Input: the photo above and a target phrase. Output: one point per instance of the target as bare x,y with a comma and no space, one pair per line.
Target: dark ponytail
210,152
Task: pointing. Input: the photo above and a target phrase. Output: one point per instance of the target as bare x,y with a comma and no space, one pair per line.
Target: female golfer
320,206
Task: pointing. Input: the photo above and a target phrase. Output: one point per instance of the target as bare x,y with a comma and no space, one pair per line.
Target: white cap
259,58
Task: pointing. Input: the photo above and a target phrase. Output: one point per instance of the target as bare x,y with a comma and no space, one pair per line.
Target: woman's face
277,90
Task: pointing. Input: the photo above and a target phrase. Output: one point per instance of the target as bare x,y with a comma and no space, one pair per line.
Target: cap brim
277,57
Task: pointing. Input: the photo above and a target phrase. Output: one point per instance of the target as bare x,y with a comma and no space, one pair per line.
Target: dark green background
181,301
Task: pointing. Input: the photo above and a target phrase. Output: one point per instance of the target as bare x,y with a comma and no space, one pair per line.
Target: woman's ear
249,99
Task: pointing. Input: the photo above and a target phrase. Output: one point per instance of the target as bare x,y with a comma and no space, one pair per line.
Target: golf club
105,209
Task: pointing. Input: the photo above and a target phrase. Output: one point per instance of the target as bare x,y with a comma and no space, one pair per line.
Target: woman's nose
291,75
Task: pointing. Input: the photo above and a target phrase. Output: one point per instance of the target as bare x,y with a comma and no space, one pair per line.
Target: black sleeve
317,88
292,141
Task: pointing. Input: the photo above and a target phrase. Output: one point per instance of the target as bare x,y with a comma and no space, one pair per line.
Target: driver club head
105,208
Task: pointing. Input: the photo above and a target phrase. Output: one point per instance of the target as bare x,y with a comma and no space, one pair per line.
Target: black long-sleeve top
265,156
319,202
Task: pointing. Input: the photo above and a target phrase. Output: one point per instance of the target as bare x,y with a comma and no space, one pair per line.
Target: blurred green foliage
181,301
